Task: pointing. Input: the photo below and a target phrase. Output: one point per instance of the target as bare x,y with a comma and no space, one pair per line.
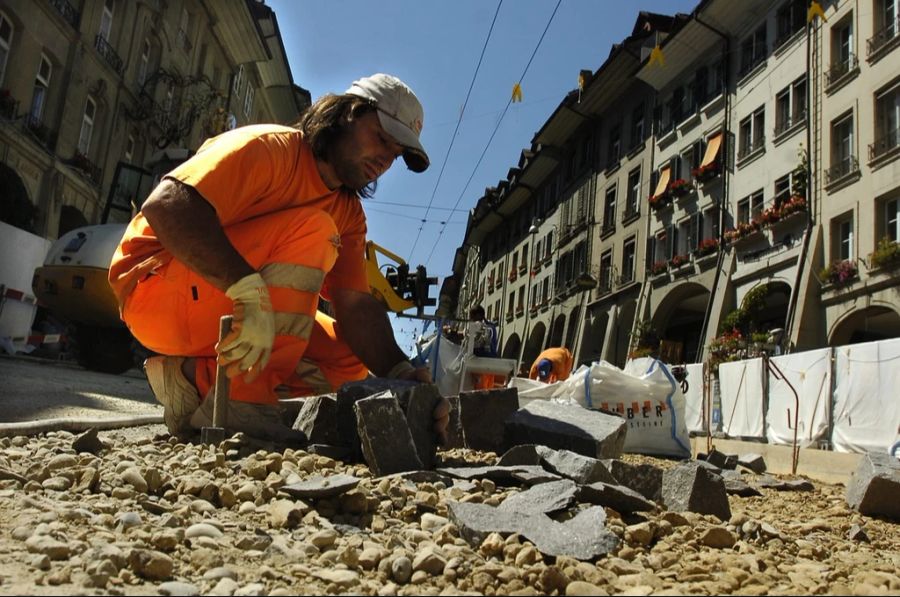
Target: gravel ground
148,515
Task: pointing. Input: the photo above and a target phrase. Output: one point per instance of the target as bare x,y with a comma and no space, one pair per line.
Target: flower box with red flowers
679,260
707,246
705,173
659,267
679,187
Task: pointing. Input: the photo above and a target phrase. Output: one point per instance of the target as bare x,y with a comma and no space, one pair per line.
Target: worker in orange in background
259,223
552,365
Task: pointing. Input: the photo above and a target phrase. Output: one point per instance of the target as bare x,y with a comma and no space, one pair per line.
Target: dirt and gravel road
147,515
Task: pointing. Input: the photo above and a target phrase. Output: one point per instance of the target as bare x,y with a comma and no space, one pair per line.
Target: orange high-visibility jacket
562,364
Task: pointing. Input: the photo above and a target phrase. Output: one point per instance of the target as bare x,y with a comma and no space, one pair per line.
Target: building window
887,121
710,224
843,161
615,147
106,19
41,85
6,35
750,207
887,25
661,251
628,260
791,18
87,126
606,274
144,63
843,231
892,219
782,189
238,80
790,106
701,85
753,50
752,137
632,200
637,125
129,149
248,101
690,160
609,210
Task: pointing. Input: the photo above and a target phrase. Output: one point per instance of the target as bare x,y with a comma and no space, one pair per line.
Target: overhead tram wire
456,130
496,128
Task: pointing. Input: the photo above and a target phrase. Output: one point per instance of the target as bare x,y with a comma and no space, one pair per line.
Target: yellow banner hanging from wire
517,93
656,55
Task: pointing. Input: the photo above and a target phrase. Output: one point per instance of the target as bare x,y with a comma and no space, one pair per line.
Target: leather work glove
249,344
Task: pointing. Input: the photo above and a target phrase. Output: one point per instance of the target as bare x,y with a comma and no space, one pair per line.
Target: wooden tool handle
220,400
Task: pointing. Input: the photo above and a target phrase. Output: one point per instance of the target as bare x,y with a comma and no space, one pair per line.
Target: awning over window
712,150
663,183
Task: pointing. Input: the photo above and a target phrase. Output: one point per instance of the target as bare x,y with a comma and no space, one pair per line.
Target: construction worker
259,223
552,365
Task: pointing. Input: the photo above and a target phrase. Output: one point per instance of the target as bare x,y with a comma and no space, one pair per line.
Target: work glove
249,344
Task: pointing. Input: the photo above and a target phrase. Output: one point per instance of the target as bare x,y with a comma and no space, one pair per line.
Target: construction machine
72,283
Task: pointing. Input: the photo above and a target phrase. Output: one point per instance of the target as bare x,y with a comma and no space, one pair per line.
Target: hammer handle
220,399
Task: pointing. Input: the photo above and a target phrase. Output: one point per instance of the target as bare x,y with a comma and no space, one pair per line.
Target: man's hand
249,345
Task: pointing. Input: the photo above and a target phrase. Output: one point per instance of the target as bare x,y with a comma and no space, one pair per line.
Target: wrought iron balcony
110,55
840,69
40,132
67,12
751,147
883,145
842,168
9,106
789,122
883,38
90,169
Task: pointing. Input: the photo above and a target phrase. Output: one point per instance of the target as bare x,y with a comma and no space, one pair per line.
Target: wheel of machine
107,350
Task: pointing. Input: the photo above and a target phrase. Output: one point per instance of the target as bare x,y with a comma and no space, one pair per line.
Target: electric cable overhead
496,128
456,130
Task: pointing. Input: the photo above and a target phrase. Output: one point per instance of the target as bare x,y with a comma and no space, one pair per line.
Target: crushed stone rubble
138,513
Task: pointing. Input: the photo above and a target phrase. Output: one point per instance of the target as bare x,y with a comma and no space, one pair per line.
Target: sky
436,48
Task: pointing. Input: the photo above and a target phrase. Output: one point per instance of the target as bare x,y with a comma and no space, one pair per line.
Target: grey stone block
499,474
518,455
754,462
318,419
694,488
645,479
321,487
567,427
735,485
722,460
347,395
618,497
770,482
874,488
483,414
565,463
418,403
542,499
386,442
584,537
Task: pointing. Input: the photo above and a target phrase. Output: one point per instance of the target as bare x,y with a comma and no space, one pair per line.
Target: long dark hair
325,121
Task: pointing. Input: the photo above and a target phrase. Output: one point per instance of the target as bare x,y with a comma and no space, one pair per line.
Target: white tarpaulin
866,405
740,385
532,388
645,394
694,418
447,367
810,374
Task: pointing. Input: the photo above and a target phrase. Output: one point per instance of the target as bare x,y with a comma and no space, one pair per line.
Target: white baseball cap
399,112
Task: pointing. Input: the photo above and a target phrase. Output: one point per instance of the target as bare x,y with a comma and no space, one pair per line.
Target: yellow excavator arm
396,288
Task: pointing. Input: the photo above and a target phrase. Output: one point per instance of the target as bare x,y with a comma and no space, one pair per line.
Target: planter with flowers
659,267
678,261
744,231
886,256
679,187
839,273
704,174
